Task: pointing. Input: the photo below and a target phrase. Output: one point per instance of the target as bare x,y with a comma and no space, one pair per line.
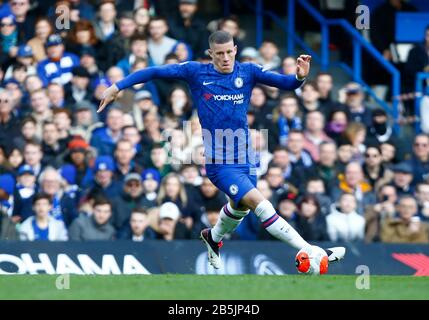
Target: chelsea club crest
238,82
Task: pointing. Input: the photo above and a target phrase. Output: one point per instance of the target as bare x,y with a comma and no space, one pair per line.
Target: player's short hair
220,37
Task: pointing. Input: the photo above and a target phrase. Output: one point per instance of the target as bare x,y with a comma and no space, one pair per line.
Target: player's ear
235,49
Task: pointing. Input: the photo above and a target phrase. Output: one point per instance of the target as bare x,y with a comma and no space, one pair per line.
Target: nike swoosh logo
207,83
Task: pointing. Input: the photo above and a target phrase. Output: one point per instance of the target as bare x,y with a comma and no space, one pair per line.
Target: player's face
223,56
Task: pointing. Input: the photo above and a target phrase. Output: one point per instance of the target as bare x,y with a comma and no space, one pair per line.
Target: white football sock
229,219
277,226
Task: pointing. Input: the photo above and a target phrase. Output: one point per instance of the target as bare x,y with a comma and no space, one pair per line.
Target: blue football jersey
222,101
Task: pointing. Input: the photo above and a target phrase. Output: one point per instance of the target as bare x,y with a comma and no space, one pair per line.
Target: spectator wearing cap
124,156
78,88
151,182
24,192
139,50
169,226
420,158
7,187
9,123
116,47
403,179
43,28
105,25
24,56
78,156
104,139
53,148
58,66
96,226
188,27
354,100
103,184
64,204
42,226
131,197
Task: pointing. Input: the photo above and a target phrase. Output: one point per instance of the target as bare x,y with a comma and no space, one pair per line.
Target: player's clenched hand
108,96
303,66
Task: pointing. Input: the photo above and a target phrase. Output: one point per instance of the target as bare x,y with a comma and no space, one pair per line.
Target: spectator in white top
344,223
42,226
159,44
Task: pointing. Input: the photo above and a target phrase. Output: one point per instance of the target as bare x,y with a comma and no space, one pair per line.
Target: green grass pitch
180,287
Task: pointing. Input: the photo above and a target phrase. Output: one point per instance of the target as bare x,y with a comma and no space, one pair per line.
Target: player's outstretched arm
285,82
176,71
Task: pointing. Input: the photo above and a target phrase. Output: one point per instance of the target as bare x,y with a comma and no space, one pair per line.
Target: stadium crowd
333,168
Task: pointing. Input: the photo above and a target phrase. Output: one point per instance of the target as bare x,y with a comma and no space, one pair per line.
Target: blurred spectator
58,65
105,25
170,228
85,120
355,134
314,134
151,134
143,104
388,153
188,27
82,37
131,197
310,98
208,220
15,158
380,130
179,104
7,227
96,226
7,186
33,156
24,66
124,155
375,171
52,147
419,161
183,51
269,55
159,44
151,181
191,175
336,125
359,111
42,226
406,227
315,186
300,158
260,149
62,120
8,39
310,222
138,228
9,124
78,90
403,178
56,95
422,196
159,160
325,85
142,18
344,223
43,29
353,181
103,184
78,156
210,195
118,44
25,18
277,182
173,190
139,50
288,117
281,159
63,203
384,208
326,168
104,139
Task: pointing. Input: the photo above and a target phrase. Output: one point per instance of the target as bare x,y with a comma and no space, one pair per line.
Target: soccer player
221,90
